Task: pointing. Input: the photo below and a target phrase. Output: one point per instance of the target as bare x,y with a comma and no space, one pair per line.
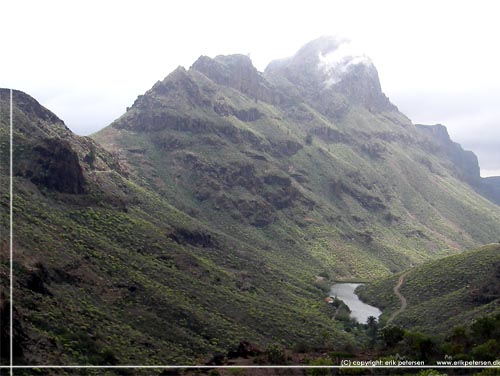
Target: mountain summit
330,73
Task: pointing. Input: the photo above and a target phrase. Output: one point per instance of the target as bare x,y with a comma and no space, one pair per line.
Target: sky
86,61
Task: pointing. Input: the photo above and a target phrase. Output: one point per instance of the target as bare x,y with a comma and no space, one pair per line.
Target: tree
372,324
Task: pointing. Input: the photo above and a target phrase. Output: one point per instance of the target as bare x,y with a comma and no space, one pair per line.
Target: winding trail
402,299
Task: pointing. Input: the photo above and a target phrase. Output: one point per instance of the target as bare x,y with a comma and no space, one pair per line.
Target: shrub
275,354
319,371
391,335
487,351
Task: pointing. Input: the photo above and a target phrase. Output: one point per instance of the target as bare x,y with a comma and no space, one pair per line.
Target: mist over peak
334,72
338,62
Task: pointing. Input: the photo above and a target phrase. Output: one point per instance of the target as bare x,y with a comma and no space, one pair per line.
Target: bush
275,354
487,351
319,371
485,328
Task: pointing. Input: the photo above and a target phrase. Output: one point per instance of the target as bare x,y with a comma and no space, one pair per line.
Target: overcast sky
438,61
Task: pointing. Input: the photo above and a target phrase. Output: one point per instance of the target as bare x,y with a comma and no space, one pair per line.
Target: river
359,311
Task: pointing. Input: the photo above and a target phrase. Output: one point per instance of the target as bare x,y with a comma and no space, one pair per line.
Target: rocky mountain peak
330,66
179,82
31,108
237,72
230,70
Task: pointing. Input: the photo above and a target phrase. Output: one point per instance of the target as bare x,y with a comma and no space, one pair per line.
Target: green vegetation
442,294
116,275
478,342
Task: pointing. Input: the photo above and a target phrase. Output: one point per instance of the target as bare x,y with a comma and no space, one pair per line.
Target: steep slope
490,188
463,163
444,293
309,161
108,272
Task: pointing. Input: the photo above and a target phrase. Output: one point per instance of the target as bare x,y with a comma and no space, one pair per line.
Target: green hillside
442,294
107,272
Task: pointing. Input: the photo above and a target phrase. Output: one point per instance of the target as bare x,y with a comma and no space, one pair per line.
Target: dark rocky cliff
464,162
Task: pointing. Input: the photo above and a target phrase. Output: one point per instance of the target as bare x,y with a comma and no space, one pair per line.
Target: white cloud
336,63
487,173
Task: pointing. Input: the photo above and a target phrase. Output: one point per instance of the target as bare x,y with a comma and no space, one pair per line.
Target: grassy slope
118,275
443,293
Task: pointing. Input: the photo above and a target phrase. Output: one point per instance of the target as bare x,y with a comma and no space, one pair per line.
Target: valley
202,218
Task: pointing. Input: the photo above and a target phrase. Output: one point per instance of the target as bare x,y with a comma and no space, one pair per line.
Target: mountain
309,160
444,293
216,209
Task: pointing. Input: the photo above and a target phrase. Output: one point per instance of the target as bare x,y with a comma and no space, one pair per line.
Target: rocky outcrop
47,153
465,162
236,71
179,84
222,186
331,135
54,166
361,86
193,237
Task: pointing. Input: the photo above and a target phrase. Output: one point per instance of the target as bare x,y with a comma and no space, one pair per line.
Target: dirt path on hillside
401,298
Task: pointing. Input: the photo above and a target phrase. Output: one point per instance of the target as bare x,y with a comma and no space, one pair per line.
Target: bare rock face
57,167
235,71
44,148
465,162
52,164
361,86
